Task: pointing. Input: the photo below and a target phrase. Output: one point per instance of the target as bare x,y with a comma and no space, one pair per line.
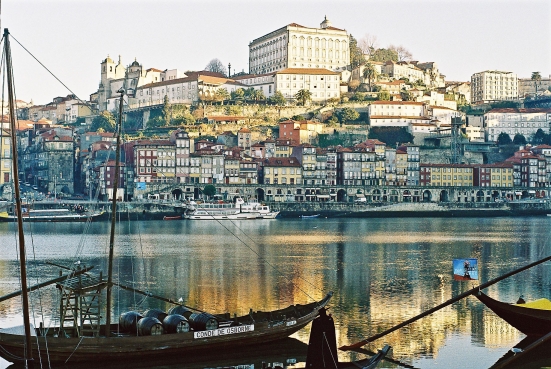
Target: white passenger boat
238,211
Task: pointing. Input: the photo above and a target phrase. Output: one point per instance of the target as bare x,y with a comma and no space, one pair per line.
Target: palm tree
222,94
536,77
303,96
370,73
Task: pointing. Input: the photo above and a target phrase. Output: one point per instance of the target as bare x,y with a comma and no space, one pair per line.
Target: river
382,271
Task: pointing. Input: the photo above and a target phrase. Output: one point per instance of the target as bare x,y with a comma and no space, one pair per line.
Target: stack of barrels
155,321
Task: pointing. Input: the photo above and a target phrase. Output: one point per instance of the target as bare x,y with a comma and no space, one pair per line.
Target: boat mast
113,218
22,258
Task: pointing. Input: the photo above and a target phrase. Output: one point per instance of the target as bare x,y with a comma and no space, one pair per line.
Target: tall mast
113,218
15,167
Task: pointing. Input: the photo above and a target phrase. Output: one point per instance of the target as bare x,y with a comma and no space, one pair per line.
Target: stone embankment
158,210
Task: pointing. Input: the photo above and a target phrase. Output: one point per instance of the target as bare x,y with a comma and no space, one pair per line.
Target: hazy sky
72,37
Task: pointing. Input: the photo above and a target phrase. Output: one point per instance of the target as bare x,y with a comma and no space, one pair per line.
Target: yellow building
286,171
446,175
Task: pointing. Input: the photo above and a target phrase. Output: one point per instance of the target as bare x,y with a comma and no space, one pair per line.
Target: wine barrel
128,322
175,323
202,322
180,310
155,313
148,326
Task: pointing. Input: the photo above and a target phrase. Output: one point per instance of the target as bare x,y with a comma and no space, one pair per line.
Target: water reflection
383,271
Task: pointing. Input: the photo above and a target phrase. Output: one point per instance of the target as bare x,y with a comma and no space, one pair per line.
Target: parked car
35,188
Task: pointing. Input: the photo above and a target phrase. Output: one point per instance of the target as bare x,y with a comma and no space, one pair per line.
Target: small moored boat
531,318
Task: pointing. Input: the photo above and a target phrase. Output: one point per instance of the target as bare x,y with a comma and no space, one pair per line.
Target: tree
297,118
538,137
384,95
221,94
384,55
519,139
303,96
105,120
347,114
402,53
249,93
536,77
356,54
369,73
333,101
167,111
277,99
504,139
215,65
258,95
209,190
406,95
238,94
368,44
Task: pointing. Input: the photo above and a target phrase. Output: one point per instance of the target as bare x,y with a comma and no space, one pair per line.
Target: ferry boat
224,211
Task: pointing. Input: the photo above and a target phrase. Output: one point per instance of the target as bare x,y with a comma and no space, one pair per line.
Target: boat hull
531,322
73,350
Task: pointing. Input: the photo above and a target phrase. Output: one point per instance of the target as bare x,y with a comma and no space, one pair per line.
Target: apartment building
494,85
445,175
512,121
282,171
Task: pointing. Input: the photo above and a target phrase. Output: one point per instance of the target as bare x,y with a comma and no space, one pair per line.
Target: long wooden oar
44,284
443,305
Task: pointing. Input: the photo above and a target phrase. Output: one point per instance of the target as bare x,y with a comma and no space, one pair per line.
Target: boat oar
443,305
44,284
528,348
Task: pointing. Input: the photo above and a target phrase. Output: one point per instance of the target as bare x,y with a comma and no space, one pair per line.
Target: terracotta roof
244,130
282,162
295,25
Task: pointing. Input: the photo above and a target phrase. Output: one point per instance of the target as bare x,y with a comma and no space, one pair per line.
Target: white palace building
296,46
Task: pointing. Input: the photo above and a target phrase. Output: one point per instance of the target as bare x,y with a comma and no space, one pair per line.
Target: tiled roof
281,162
398,103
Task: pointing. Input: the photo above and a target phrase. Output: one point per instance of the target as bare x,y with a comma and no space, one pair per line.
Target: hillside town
314,111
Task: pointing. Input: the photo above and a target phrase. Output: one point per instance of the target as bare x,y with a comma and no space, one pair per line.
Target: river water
382,272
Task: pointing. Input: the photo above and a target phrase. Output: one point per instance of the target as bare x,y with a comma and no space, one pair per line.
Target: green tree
249,93
538,137
357,57
347,114
303,96
258,95
384,95
167,111
277,99
238,94
209,190
406,95
536,77
105,120
369,73
504,139
221,95
384,55
297,117
519,139
353,85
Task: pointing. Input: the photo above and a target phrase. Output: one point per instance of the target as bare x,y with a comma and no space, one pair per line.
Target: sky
72,37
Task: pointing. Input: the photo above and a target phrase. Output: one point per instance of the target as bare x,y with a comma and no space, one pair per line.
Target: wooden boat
531,318
51,215
85,332
175,217
68,346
